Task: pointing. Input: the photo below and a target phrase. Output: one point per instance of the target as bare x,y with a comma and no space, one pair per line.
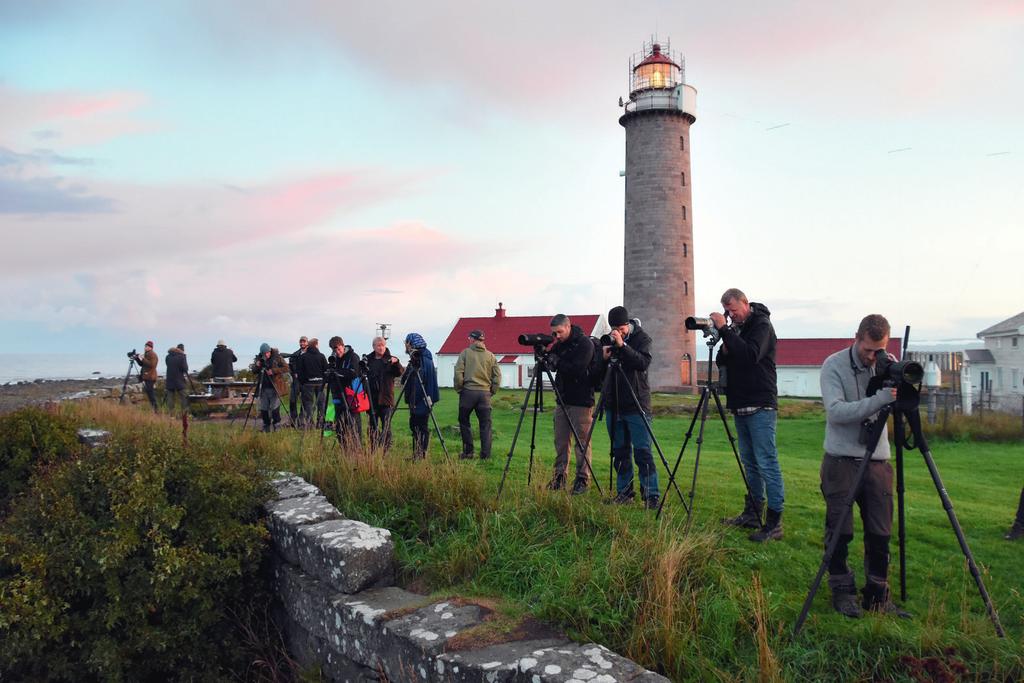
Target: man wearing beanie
627,416
271,384
148,362
421,392
477,378
176,378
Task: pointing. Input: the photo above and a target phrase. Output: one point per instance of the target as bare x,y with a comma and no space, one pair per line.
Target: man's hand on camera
606,351
617,338
718,319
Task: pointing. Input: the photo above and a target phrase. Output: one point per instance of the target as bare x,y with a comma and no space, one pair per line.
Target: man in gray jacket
477,378
844,386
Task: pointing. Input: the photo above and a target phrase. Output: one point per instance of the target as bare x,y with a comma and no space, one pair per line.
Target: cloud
44,196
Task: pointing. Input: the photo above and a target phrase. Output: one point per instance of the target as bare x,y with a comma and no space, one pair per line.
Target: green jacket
477,369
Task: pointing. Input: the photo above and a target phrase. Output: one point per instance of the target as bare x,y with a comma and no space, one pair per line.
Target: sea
25,367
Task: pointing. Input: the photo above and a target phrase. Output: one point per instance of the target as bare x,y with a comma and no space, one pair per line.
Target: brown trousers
581,417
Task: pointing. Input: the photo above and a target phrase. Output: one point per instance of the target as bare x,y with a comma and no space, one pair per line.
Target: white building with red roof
798,363
501,336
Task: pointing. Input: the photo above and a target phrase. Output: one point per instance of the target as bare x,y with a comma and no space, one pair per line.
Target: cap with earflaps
477,335
618,316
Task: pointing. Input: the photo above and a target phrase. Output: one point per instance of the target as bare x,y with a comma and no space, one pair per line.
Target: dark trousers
172,395
479,402
293,399
874,499
348,426
313,398
420,434
379,428
149,387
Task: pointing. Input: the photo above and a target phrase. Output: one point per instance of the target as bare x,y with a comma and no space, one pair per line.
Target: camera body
415,358
133,354
895,372
539,339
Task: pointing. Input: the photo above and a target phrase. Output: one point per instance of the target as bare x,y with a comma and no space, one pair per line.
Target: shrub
128,562
28,438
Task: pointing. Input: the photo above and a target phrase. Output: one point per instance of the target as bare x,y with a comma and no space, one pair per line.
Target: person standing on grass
148,362
222,361
271,385
294,360
176,378
477,378
421,392
844,386
1017,530
570,359
381,370
747,363
312,367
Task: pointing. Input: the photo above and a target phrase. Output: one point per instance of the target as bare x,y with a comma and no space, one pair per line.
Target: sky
189,171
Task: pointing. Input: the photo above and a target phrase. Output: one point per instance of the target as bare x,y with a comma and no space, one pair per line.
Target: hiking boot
877,598
750,517
1016,532
651,503
772,529
579,487
844,596
465,456
485,456
557,482
624,497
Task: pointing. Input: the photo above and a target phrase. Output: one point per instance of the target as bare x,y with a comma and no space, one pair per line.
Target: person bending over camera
420,395
294,359
381,370
625,416
844,391
477,378
270,370
746,362
569,359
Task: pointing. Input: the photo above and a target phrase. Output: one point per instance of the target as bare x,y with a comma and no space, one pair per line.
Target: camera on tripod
133,354
706,326
536,340
415,358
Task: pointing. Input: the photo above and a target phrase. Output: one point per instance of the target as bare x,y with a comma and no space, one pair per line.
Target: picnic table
221,392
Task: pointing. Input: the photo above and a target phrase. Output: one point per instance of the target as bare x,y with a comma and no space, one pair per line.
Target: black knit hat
618,316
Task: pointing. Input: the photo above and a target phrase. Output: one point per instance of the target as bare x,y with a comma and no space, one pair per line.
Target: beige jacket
477,369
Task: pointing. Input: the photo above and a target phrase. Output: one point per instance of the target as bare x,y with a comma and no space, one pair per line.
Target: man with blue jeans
628,406
746,365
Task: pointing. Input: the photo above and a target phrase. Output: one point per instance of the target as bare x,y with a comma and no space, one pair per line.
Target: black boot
1016,531
772,529
579,486
844,595
557,482
750,518
878,599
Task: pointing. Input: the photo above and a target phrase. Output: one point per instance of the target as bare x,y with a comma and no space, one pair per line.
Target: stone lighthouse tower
658,268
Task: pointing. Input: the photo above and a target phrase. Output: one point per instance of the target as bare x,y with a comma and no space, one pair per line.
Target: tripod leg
898,437
689,432
515,436
124,387
538,405
914,418
696,459
735,451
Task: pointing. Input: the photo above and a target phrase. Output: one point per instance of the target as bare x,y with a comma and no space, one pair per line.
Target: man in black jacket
569,359
746,364
312,366
176,378
222,359
627,413
381,370
343,374
293,367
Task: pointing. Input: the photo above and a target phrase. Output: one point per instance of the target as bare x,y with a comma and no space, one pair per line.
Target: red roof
501,335
815,351
507,359
655,58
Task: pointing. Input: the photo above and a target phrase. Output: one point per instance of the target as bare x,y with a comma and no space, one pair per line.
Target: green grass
703,604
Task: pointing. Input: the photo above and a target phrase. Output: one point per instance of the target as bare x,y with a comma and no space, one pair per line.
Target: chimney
499,312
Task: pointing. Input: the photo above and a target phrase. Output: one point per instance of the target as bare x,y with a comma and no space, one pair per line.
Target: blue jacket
415,393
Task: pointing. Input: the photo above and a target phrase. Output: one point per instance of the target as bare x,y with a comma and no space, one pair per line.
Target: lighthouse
658,261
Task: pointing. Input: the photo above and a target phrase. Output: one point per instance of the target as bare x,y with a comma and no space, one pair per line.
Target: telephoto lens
693,323
539,339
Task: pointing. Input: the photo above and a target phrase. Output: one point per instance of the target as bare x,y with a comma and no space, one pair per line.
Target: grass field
707,603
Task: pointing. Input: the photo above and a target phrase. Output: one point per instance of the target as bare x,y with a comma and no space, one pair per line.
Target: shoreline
22,393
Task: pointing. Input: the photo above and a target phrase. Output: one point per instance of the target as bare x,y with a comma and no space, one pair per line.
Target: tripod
127,376
906,408
707,392
414,365
541,369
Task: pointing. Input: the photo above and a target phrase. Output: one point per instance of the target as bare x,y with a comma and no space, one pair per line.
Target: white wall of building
799,381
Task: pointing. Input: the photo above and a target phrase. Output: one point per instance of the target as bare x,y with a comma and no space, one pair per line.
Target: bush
28,438
988,426
127,564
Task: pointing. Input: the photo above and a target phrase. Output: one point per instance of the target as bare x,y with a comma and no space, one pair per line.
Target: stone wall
340,611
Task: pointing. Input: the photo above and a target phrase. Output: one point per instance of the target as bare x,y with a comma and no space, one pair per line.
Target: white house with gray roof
999,367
